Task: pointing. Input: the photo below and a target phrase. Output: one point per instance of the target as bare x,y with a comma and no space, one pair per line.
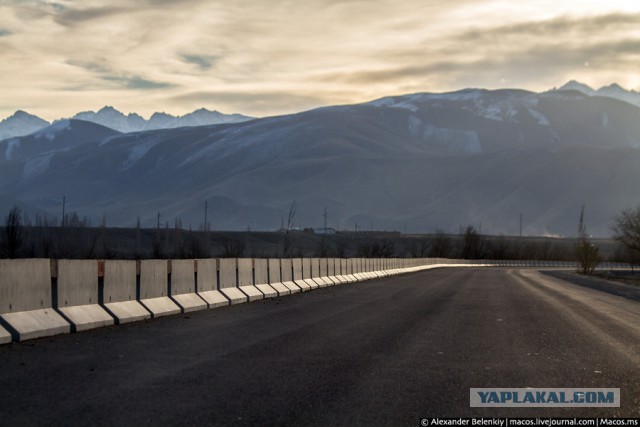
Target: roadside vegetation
76,238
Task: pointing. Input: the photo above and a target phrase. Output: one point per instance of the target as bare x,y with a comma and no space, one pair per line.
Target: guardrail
43,297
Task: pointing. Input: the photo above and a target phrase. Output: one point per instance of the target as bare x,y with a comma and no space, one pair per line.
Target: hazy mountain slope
19,124
114,119
614,90
420,161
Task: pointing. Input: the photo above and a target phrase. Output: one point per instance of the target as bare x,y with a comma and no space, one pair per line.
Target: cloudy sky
266,57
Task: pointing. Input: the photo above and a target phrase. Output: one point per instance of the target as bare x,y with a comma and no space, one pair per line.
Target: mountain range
22,123
417,162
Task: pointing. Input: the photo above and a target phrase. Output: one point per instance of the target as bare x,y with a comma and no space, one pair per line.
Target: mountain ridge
22,123
418,162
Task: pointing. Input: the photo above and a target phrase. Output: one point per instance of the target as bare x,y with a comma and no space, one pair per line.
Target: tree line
75,237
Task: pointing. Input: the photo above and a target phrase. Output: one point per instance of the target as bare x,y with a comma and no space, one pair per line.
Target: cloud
137,82
282,56
71,17
203,62
258,102
552,28
124,80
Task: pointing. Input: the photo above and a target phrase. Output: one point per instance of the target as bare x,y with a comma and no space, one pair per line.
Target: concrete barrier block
228,273
228,281
339,268
78,295
5,336
154,288
234,295
307,277
314,264
119,292
282,289
350,271
189,302
252,293
297,275
26,325
323,266
84,317
127,311
161,306
183,286
25,284
214,298
25,299
267,291
261,278
275,278
245,280
331,271
286,273
207,283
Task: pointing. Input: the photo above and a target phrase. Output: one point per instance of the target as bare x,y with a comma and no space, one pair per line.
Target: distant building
325,231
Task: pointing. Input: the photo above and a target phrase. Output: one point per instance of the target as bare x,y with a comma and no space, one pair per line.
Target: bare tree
287,243
440,245
376,249
586,252
418,248
232,247
627,229
14,232
473,244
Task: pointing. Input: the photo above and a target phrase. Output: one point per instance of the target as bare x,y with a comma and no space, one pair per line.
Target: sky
270,57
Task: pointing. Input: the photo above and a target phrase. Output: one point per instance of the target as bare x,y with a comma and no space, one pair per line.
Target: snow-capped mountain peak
21,123
614,90
576,85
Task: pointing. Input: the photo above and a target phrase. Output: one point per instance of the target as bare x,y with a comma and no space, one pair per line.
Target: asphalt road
382,352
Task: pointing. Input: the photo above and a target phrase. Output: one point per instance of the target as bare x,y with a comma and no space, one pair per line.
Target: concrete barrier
207,283
261,278
245,279
318,275
298,277
119,292
228,280
78,295
324,271
379,265
341,271
351,270
154,288
365,269
372,268
310,270
5,336
275,278
183,286
286,275
333,270
307,277
358,269
25,300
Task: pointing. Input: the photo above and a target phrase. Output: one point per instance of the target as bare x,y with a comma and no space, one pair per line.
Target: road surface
381,352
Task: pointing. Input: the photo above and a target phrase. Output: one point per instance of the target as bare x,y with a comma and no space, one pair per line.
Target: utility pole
64,203
205,215
158,220
325,216
520,224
